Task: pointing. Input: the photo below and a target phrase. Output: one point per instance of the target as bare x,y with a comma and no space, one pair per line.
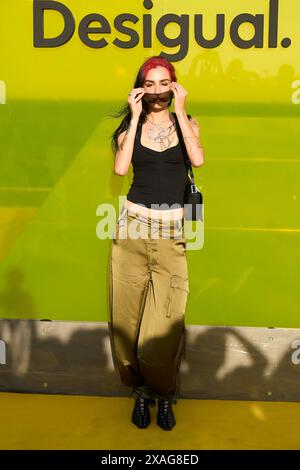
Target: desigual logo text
122,23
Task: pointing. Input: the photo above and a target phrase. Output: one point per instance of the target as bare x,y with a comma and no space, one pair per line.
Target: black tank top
159,176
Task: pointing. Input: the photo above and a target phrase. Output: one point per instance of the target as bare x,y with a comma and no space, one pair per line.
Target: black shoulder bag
193,199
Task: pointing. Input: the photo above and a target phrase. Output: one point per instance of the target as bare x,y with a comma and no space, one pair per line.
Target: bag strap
187,161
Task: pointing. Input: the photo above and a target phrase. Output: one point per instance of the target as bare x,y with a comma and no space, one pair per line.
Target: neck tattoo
164,136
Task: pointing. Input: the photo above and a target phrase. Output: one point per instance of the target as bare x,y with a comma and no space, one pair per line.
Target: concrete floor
81,422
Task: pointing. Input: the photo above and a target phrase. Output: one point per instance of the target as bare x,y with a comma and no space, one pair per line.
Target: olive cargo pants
148,289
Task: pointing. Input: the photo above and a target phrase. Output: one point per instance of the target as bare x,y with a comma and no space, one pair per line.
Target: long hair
152,62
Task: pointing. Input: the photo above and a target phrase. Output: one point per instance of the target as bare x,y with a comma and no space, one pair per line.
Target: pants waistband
144,219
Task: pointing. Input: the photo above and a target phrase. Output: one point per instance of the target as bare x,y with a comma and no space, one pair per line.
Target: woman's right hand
135,101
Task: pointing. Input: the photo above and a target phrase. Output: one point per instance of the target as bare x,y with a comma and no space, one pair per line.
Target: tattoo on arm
194,122
190,143
195,125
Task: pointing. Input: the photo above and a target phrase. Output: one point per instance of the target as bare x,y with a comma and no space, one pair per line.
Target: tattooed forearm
194,123
191,144
191,136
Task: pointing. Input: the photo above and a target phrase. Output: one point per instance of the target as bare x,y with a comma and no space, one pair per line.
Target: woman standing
149,281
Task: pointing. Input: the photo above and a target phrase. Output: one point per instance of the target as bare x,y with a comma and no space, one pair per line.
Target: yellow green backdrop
56,164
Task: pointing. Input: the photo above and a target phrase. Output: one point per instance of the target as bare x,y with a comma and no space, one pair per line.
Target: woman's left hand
179,95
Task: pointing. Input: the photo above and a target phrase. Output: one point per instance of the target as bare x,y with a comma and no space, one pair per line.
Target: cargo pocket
177,298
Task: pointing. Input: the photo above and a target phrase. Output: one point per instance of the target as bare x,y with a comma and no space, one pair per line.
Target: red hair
158,61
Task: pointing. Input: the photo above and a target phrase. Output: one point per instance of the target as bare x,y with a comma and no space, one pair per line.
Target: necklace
159,134
157,124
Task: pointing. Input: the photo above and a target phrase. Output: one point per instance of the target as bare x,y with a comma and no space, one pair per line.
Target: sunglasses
152,97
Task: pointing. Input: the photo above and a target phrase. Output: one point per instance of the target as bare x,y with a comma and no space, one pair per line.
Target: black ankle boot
141,414
165,416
